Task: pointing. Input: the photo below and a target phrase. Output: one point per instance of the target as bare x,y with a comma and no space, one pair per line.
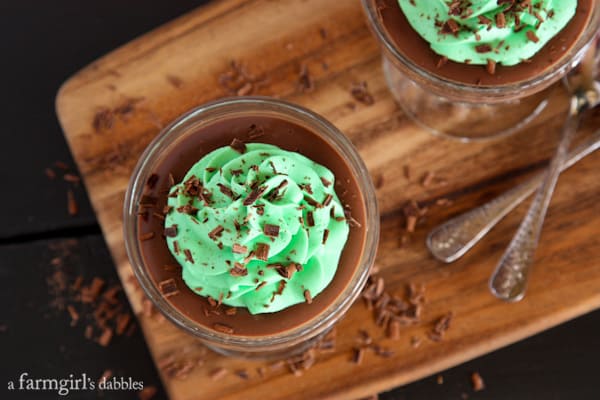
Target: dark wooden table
45,42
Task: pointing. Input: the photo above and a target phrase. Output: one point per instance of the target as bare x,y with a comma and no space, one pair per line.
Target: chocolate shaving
310,219
107,374
441,326
90,293
477,382
364,337
223,328
358,355
275,193
188,255
72,206
491,66
271,230
351,221
484,20
427,179
361,94
262,251
158,215
532,36
211,301
175,81
415,342
483,48
171,267
306,187
286,271
168,287
71,178
327,200
304,79
326,182
249,257
226,191
243,374
187,209
215,233
61,165
260,285
450,27
89,332
238,270
382,351
325,235
246,89
238,146
73,314
273,167
394,330
239,249
231,311
441,62
147,393
307,296
219,373
50,173
501,20
254,132
309,200
105,337
406,171
254,195
146,236
171,231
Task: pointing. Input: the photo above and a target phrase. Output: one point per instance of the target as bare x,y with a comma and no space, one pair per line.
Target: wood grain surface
111,110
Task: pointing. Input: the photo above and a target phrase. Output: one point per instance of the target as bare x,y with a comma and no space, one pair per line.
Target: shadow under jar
466,101
187,140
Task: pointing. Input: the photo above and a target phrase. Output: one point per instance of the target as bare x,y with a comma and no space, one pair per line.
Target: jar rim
232,107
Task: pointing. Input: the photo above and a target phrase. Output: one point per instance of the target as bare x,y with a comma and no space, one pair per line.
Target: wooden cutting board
112,108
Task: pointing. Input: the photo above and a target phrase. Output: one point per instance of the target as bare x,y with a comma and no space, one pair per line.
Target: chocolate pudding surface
289,136
408,42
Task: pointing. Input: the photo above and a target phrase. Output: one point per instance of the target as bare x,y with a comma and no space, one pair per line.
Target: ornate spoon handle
509,280
452,239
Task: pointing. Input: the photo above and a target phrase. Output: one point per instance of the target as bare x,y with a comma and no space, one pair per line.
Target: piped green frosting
475,31
234,202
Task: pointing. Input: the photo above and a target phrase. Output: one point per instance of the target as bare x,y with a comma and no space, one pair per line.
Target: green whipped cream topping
477,31
256,226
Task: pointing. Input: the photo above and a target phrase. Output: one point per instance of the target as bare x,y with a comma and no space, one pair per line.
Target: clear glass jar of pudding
235,331
468,102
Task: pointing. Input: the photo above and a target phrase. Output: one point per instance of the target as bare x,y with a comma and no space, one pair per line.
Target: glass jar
462,111
289,341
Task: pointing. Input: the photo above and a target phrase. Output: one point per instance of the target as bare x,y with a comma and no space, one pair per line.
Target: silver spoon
452,239
509,280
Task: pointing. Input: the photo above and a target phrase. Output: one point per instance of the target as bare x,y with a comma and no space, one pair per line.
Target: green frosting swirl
231,204
485,30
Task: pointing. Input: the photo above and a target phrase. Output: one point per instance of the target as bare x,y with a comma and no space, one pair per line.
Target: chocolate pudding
165,270
412,45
